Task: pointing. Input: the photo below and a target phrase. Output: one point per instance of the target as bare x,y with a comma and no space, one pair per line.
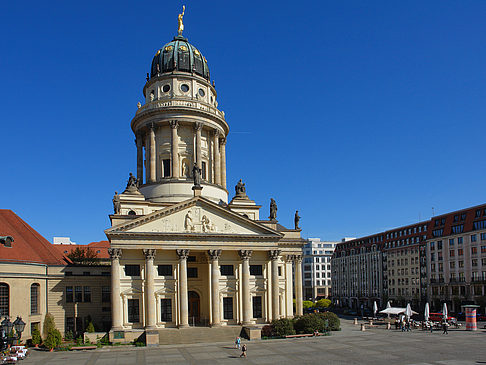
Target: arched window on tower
4,299
34,298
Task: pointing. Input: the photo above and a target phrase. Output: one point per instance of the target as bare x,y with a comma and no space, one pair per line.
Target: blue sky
361,115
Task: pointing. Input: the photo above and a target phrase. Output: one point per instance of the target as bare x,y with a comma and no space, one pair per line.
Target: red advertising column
471,317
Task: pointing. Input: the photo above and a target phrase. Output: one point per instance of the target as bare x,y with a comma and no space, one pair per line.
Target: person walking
238,342
444,327
243,350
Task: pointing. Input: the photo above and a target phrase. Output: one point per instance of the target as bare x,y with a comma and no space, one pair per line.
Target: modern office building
316,267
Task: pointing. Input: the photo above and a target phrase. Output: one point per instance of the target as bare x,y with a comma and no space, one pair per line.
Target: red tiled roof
101,246
28,245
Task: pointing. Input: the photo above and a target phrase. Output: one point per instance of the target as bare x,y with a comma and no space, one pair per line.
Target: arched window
34,298
4,299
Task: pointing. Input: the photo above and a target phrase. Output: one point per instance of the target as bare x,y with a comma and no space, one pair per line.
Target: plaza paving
349,346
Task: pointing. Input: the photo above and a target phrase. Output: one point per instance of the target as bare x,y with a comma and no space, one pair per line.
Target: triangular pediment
195,216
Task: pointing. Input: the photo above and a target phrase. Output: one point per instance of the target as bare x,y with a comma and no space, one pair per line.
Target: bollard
388,326
363,327
371,322
355,321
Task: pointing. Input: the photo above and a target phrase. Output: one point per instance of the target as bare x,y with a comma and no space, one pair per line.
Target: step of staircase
174,336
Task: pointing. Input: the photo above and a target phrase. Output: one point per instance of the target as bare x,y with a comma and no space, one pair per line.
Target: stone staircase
173,336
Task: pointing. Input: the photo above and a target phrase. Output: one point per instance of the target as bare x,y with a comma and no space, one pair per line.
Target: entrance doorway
194,308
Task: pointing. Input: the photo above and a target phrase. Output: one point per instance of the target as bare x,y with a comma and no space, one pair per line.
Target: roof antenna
433,214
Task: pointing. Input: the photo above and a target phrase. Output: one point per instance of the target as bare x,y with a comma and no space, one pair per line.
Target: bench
305,335
83,348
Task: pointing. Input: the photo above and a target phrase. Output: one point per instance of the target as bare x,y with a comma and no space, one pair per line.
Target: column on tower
150,287
183,298
245,285
153,155
116,309
174,142
214,256
223,162
139,143
275,283
216,158
147,156
197,129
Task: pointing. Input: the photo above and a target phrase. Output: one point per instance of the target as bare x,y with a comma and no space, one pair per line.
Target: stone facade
317,268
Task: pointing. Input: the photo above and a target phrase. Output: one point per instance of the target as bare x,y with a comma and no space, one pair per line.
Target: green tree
83,256
307,304
48,324
323,303
53,339
90,328
36,337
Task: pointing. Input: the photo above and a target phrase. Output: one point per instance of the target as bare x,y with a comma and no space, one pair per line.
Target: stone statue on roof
196,174
273,210
296,219
180,20
240,189
116,203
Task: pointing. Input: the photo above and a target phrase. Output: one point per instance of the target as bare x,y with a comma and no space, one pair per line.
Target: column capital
297,258
198,126
245,254
174,124
115,253
183,254
273,254
216,133
149,253
214,254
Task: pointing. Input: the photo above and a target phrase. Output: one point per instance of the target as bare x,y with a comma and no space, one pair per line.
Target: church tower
180,125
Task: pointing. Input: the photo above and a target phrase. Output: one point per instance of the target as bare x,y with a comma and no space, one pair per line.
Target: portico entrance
194,308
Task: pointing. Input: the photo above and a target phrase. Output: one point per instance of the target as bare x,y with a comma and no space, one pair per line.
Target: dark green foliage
49,324
36,337
53,338
90,327
309,323
268,331
283,327
333,320
68,336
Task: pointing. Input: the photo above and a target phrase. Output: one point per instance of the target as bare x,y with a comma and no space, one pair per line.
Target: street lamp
19,326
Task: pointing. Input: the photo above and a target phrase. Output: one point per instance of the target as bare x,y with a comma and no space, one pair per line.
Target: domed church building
182,253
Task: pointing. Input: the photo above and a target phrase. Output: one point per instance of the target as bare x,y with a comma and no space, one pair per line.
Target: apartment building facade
316,267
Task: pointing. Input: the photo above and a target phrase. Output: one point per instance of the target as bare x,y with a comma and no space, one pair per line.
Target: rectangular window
451,242
460,263
69,294
257,307
460,252
203,170
133,311
78,293
192,272
166,310
458,229
69,324
280,270
228,308
474,262
227,270
437,232
483,249
452,264
459,240
473,238
439,245
166,167
256,270
474,250
479,225
478,213
132,270
164,270
87,294
34,299
106,294
451,253
483,236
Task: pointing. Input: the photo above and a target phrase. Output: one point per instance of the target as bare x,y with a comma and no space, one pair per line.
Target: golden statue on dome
181,24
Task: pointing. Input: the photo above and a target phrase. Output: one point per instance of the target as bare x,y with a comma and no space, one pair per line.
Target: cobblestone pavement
349,346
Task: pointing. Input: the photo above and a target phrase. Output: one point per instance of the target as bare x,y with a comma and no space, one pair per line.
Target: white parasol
375,309
426,314
408,311
444,311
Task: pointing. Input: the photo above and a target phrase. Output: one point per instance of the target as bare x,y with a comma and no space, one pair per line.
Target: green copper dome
179,55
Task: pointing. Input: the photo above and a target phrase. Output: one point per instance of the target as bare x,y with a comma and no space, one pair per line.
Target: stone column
139,143
150,319
216,159
298,285
153,155
214,255
223,162
174,142
147,157
183,299
245,286
198,129
116,309
275,283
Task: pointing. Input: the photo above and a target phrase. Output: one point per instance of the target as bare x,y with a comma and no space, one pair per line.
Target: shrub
68,336
49,324
90,327
36,337
323,303
283,327
307,304
268,331
333,320
309,323
53,338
